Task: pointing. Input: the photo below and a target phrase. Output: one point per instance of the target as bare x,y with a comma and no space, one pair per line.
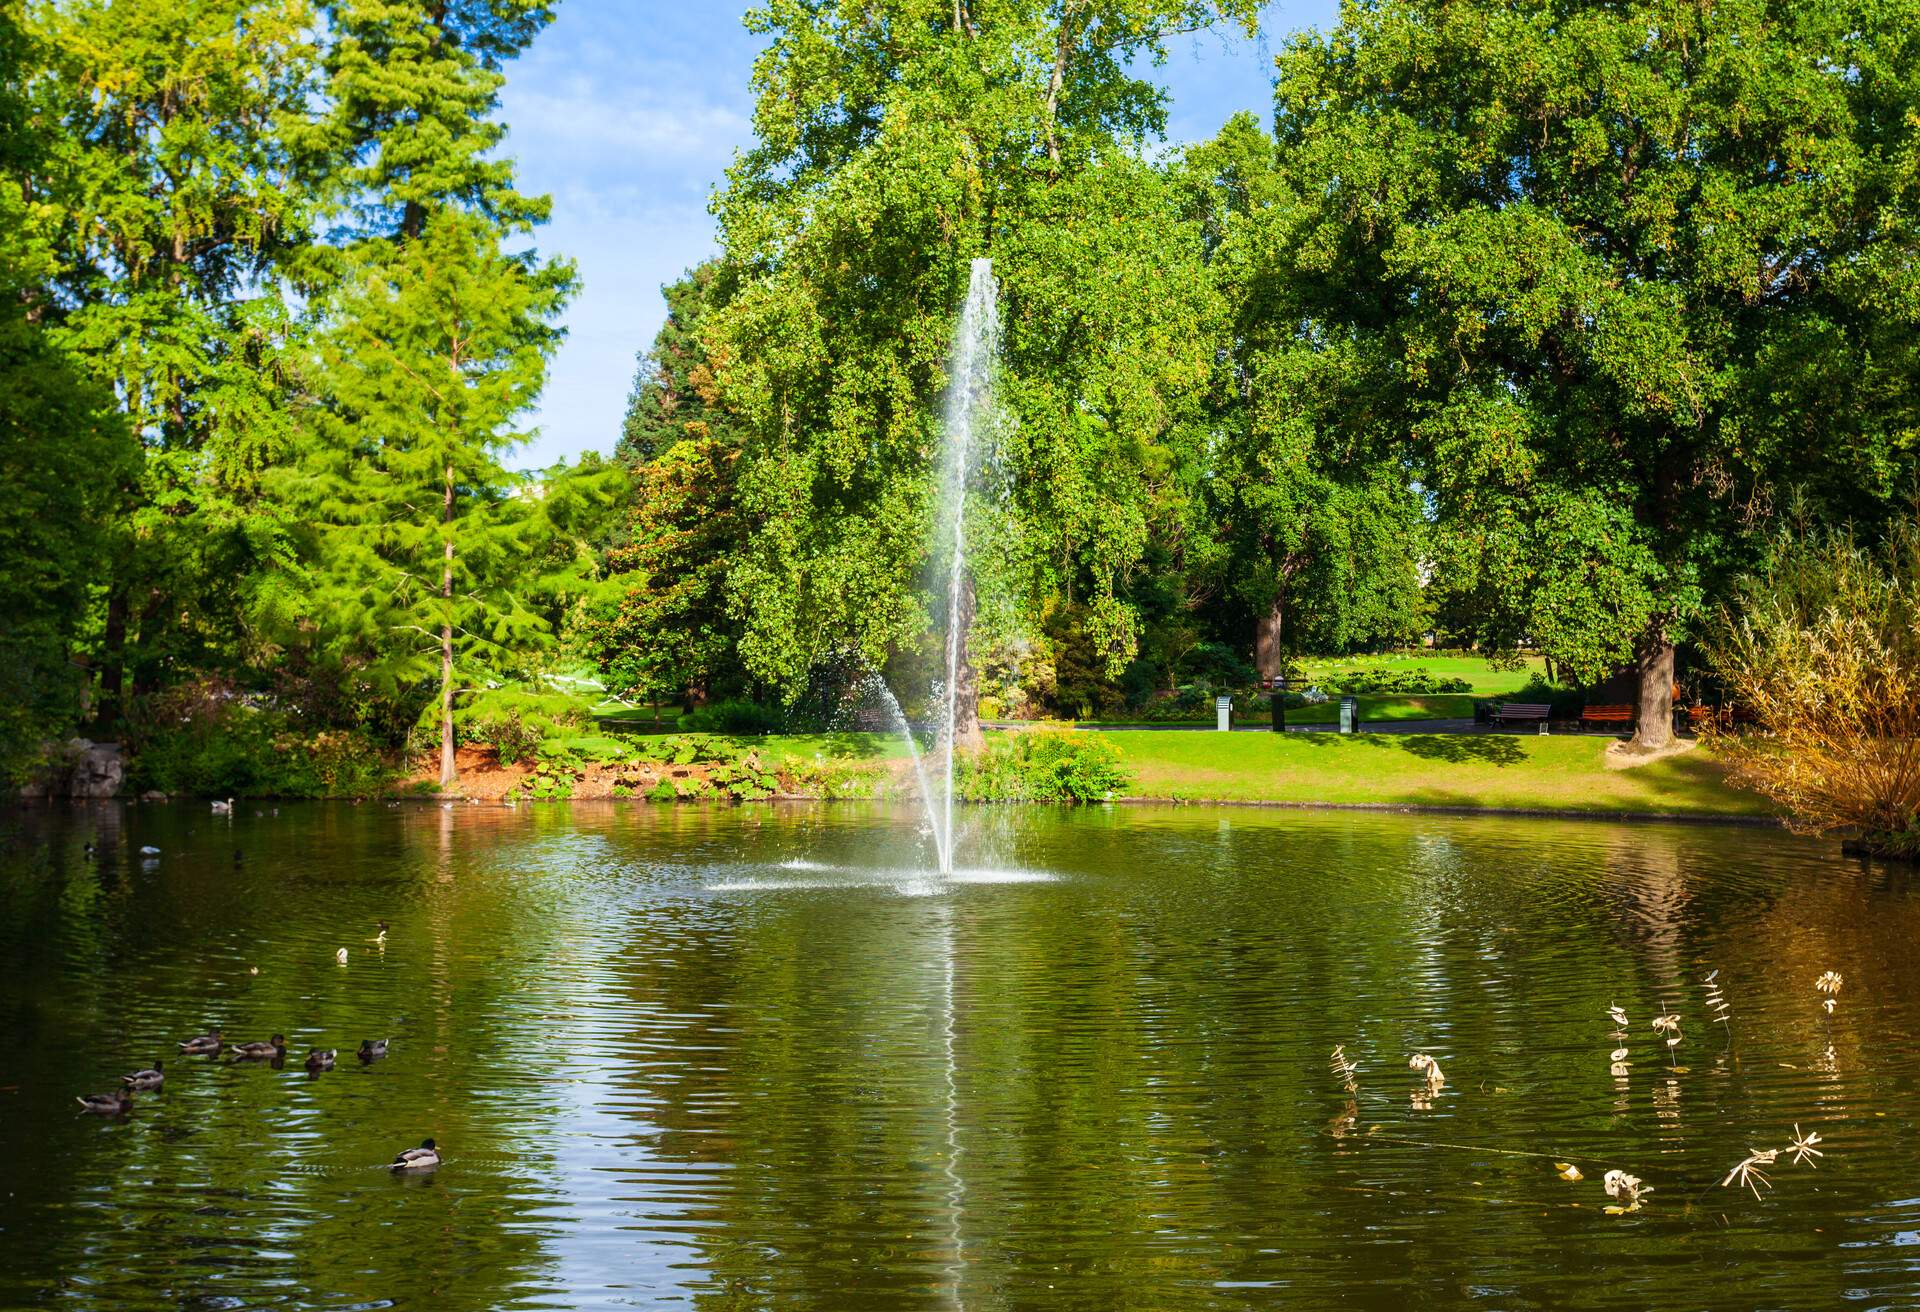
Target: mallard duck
321,1059
117,1103
274,1047
417,1159
372,1049
205,1045
151,1078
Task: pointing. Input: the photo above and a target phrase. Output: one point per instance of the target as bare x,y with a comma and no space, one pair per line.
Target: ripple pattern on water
756,1057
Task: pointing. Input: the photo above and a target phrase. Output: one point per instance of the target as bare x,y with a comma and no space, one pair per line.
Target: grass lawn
1525,772
1373,706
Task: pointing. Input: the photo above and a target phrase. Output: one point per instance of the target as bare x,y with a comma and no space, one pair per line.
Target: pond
745,1058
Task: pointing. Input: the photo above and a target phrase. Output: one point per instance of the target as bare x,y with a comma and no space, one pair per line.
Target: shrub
1822,649
735,715
514,720
1411,683
205,739
1041,767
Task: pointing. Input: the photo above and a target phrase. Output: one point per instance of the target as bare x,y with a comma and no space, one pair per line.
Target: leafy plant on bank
1041,766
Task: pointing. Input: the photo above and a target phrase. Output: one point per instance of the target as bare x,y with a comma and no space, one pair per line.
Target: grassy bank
1519,772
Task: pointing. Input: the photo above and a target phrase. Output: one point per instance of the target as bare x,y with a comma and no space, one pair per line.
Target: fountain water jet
970,409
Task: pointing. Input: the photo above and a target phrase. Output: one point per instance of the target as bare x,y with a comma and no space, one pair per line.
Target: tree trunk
1269,657
1063,46
448,773
1655,667
965,692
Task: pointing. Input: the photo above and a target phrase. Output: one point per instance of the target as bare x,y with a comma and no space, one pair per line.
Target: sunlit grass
1511,771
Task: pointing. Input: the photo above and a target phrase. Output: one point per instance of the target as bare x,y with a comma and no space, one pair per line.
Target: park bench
1522,713
1620,715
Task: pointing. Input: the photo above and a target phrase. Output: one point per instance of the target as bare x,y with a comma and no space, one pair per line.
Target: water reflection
754,1058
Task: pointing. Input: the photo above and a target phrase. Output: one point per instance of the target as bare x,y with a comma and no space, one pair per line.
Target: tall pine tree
435,340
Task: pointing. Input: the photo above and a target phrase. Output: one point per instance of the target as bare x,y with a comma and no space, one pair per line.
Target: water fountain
969,414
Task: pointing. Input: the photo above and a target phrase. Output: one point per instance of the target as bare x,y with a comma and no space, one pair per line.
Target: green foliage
734,716
1042,766
1589,262
663,791
881,169
551,784
200,739
514,720
1409,681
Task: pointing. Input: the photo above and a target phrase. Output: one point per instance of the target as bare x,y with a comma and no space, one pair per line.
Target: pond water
746,1058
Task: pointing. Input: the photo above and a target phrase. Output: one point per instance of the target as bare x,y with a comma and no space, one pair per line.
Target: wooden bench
1620,715
1522,713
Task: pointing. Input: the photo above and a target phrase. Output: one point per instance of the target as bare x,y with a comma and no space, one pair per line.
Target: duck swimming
274,1047
151,1078
117,1103
321,1059
205,1045
417,1159
372,1049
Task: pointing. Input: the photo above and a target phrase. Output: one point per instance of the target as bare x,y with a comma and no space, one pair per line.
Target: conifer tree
435,340
175,166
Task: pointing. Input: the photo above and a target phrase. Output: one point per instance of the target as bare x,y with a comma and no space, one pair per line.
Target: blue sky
628,112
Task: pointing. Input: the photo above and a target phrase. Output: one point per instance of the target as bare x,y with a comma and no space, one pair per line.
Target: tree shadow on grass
858,745
1453,748
1460,748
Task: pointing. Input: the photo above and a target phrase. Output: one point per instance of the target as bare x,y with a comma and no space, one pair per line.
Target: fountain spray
969,408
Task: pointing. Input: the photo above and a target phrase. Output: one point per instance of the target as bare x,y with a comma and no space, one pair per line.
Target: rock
153,795
97,769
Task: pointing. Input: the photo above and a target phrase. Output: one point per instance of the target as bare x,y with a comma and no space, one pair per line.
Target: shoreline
1250,804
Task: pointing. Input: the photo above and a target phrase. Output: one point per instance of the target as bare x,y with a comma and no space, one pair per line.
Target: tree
174,170
1587,261
1323,527
673,387
63,447
897,142
433,338
421,534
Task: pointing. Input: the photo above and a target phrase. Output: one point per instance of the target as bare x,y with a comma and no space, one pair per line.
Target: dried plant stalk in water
1718,1008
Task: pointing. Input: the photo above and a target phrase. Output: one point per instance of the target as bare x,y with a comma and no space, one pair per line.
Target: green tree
897,142
1323,528
63,447
431,559
673,386
422,536
179,185
1621,275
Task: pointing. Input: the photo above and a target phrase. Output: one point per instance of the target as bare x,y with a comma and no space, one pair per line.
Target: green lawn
1373,706
1518,771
